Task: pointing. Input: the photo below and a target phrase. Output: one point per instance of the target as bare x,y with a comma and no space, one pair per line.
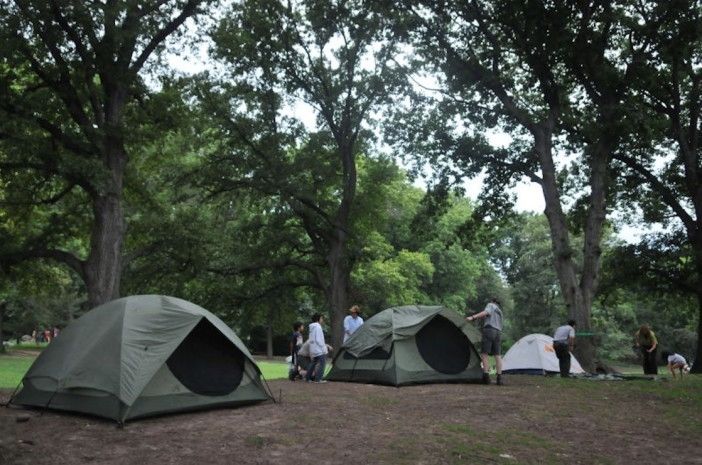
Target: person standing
646,341
563,342
492,338
295,344
318,349
352,322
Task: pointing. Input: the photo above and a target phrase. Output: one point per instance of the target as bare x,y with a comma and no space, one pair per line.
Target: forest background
322,158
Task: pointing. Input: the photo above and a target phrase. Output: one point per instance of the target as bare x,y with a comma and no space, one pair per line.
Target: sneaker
499,380
321,381
486,378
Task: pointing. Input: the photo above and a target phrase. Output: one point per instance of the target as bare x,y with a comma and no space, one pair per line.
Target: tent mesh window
376,354
206,362
443,346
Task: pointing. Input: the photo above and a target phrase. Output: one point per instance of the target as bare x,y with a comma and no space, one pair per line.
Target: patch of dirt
22,353
530,420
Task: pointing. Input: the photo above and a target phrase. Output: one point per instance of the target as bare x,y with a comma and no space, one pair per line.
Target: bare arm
482,314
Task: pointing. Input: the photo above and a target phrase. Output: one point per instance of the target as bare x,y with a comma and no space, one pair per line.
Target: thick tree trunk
103,267
697,363
104,264
339,287
697,246
577,299
269,340
585,347
2,315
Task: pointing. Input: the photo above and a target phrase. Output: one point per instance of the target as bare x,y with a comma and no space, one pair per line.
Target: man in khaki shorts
492,332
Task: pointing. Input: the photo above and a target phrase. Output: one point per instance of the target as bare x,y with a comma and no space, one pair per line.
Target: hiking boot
486,378
499,380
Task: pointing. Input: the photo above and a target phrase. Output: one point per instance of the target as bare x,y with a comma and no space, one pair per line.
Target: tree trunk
104,264
697,364
2,315
578,301
697,246
269,334
103,268
339,287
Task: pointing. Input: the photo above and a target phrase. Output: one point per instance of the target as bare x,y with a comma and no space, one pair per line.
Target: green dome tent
139,356
410,345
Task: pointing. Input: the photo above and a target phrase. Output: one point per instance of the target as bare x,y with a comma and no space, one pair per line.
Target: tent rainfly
410,345
140,356
534,354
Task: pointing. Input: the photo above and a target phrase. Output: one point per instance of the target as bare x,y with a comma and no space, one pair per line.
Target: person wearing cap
352,322
491,341
563,341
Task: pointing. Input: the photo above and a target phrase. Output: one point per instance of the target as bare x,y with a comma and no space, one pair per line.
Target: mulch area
530,420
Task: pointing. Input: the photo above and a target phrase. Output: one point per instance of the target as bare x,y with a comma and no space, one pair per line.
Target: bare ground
531,420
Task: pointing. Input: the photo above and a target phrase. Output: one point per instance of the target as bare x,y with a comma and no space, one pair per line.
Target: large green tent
139,356
410,345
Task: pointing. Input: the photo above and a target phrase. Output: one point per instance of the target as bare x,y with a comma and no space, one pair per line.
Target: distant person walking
676,362
492,338
352,322
646,342
563,342
318,349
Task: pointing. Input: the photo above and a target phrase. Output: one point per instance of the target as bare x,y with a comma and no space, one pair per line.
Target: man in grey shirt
492,332
563,341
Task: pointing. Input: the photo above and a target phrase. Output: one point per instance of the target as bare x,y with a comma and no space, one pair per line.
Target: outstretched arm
482,314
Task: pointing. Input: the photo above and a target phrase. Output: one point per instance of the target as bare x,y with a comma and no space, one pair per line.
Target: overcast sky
529,197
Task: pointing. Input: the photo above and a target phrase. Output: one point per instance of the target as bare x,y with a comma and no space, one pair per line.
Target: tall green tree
664,160
334,57
69,71
544,72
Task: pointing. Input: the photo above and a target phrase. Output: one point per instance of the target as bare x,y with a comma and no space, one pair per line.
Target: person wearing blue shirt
352,322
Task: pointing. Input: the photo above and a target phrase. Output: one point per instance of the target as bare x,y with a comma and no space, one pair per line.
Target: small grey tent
534,355
410,345
139,356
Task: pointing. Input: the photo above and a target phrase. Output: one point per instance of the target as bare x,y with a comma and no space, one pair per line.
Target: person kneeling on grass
676,361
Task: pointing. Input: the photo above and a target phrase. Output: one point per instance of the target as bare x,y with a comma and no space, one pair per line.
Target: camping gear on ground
534,355
139,356
410,345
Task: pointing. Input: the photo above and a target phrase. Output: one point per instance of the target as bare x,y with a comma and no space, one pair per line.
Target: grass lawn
13,367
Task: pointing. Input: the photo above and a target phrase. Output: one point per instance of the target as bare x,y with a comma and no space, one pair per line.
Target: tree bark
697,245
269,338
338,287
577,294
104,264
2,315
103,267
697,364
